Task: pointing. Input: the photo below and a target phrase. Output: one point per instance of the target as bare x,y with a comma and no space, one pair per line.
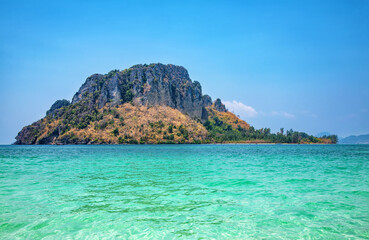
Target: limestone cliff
147,85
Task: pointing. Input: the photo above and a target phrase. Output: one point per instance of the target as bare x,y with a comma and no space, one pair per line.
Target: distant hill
151,104
361,139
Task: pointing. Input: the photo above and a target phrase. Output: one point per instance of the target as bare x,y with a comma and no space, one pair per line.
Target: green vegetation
222,132
58,104
115,132
170,129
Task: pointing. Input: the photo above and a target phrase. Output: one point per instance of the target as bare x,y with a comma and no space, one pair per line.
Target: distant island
148,104
361,139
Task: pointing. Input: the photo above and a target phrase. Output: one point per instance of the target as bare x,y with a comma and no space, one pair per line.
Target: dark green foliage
57,105
223,132
217,121
208,125
170,129
158,124
82,125
128,96
333,138
78,115
96,95
169,137
112,111
133,141
240,129
228,128
183,131
126,86
115,132
121,121
128,139
144,140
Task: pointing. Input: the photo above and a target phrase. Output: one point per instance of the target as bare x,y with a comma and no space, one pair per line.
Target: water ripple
184,191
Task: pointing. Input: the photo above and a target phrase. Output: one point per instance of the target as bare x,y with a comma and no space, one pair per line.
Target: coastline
224,143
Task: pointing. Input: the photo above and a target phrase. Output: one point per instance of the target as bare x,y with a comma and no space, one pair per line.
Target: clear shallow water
184,191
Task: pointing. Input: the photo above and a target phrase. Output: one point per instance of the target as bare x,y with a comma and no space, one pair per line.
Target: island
148,104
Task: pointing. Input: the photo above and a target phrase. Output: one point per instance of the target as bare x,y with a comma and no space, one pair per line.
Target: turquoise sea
184,192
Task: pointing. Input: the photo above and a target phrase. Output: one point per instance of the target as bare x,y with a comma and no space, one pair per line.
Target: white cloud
241,109
307,113
282,114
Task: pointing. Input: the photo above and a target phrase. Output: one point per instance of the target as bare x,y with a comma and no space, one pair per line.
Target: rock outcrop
148,85
58,104
29,134
219,106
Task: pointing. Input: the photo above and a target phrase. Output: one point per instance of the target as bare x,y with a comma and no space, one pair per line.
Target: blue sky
294,64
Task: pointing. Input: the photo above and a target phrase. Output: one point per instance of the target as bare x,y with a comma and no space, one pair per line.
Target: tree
333,138
170,129
115,132
289,132
218,122
282,131
266,131
208,125
240,129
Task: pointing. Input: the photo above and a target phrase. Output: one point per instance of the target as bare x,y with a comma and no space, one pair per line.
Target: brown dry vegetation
228,118
133,124
139,124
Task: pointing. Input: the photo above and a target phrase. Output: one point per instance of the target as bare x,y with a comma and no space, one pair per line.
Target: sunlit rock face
148,85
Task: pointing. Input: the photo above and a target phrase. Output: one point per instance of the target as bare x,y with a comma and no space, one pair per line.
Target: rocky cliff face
219,106
148,85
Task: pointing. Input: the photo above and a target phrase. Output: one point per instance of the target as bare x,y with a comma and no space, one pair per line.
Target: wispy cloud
282,114
308,113
241,109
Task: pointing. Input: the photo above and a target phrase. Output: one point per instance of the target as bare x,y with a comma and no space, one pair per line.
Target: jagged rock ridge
147,85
